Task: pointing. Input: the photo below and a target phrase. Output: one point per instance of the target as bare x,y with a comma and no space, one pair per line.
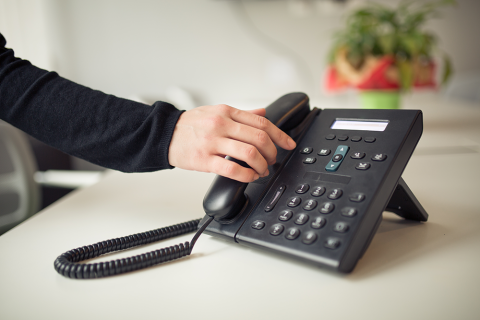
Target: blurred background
245,53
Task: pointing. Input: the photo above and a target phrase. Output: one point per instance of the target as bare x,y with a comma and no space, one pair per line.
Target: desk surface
410,271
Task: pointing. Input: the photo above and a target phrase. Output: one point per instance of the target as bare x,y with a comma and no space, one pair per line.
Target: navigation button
337,159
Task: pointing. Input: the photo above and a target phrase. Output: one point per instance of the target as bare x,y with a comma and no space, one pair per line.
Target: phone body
323,201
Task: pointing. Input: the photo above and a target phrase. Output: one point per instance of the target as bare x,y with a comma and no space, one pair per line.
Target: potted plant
384,51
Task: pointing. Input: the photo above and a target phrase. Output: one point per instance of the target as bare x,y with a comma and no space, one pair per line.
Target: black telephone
322,202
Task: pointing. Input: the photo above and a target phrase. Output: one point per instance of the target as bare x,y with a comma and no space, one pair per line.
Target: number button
292,234
318,223
326,207
335,194
318,191
276,229
302,188
285,215
301,218
310,205
309,237
293,202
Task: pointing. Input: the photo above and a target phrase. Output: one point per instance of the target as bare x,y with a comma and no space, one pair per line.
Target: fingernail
291,143
256,176
266,173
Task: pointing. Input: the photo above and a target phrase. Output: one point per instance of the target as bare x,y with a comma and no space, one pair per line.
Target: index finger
279,137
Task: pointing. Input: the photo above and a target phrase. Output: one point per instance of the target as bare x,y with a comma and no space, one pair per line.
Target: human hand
205,135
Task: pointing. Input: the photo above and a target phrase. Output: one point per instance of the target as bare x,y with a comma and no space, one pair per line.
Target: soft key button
337,158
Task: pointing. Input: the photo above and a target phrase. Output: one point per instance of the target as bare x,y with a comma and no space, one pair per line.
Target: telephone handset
226,197
321,203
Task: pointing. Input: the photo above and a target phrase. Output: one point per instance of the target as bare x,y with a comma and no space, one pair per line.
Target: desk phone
321,203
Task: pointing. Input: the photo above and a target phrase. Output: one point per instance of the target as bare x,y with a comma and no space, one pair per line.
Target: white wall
221,51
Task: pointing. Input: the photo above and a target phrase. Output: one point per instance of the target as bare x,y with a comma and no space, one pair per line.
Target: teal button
337,158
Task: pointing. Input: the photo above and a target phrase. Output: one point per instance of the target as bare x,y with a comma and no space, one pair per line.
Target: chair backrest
19,193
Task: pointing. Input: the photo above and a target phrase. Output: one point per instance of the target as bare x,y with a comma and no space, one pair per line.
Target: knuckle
223,108
262,122
250,152
229,169
262,137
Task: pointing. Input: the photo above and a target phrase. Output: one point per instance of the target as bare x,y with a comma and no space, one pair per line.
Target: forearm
103,129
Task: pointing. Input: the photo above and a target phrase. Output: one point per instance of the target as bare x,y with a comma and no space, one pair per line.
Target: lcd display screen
360,124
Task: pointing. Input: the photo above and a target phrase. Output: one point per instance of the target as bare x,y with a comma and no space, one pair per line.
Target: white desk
411,270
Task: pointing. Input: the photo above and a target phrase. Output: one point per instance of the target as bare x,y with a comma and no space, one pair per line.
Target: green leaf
387,43
447,69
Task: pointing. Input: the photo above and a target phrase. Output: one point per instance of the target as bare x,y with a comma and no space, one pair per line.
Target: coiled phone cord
68,264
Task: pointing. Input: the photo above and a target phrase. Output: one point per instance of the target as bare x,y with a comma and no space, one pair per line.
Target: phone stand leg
404,203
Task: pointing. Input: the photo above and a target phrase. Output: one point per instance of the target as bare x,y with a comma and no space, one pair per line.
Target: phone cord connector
68,264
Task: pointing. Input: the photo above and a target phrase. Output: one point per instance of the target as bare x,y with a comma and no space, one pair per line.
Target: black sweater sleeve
106,130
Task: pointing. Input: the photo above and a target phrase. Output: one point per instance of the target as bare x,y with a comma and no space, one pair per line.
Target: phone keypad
323,214
306,228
